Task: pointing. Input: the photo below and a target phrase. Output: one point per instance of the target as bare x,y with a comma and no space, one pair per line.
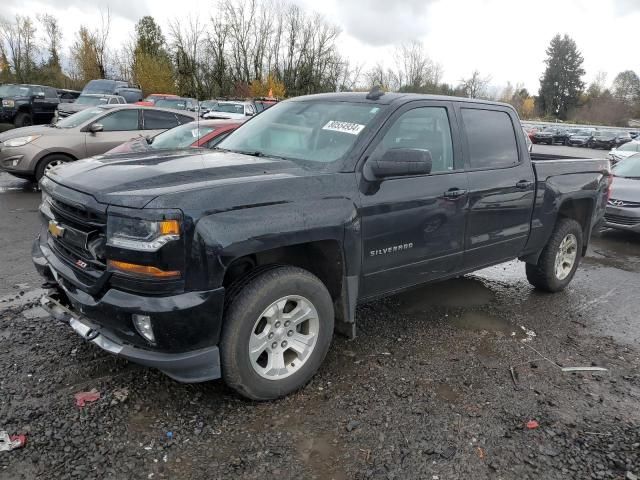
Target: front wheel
23,119
276,333
560,258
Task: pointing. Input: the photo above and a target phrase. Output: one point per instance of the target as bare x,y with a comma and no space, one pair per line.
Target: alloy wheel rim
52,165
566,256
283,337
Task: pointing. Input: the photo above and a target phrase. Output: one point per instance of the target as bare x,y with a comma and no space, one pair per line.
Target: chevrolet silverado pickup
241,262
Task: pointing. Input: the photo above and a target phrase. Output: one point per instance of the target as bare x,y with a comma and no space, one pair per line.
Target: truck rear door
413,226
501,184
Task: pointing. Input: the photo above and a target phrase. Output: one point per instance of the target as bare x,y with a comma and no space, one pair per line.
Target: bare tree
475,86
20,44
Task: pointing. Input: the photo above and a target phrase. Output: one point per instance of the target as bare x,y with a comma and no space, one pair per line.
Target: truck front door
413,227
501,185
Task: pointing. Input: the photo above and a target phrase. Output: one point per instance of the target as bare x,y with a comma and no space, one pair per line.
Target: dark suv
131,93
25,105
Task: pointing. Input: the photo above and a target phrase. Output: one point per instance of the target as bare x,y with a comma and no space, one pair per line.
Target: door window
424,128
51,94
156,120
491,138
119,121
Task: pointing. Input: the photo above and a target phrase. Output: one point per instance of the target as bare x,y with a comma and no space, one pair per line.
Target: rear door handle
454,193
524,184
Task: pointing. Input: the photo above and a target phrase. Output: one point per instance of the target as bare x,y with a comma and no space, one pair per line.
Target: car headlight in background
141,235
8,103
20,141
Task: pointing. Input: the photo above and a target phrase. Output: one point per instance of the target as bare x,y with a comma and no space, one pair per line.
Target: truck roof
388,98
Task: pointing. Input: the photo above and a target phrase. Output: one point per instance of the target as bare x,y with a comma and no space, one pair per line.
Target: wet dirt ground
424,392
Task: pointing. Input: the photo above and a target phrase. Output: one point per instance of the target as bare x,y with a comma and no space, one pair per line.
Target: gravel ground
424,392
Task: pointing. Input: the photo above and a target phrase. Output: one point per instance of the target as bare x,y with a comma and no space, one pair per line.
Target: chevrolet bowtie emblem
55,229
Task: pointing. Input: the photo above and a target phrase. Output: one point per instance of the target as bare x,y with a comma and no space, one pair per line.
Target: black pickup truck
25,105
241,262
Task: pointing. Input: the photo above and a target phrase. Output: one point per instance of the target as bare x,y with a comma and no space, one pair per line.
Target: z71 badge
391,250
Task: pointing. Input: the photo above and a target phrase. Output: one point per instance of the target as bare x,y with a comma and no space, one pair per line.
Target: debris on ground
120,395
8,443
83,398
584,369
532,424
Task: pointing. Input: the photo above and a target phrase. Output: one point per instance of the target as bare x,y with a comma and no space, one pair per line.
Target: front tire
23,119
276,333
560,258
49,162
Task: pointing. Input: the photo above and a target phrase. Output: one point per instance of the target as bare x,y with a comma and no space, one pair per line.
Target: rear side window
155,120
122,120
491,138
184,119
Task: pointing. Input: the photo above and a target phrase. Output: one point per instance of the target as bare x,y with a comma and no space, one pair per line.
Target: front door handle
454,193
524,184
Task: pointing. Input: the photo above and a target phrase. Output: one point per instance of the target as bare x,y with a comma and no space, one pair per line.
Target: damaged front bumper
189,367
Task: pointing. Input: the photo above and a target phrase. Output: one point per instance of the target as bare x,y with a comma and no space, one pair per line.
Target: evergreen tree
561,84
152,67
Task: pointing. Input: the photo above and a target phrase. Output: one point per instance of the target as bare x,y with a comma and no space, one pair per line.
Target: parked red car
150,101
202,134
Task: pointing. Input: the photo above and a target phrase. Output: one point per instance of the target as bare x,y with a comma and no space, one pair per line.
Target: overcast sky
503,39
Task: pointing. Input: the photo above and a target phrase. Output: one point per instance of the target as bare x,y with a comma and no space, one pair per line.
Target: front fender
223,237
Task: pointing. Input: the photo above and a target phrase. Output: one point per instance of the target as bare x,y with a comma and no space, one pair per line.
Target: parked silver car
88,100
31,151
623,207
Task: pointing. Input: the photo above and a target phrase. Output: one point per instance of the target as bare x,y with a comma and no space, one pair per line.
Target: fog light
14,163
143,326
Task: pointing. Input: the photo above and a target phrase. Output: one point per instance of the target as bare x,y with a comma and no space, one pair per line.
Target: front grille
621,220
85,256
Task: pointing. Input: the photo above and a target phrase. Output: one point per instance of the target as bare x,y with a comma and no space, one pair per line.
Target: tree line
253,48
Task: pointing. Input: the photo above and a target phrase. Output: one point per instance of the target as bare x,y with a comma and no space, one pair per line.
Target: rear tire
49,162
23,119
277,331
560,258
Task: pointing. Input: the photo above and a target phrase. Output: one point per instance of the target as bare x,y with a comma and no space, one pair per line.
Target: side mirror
96,127
38,96
249,114
400,162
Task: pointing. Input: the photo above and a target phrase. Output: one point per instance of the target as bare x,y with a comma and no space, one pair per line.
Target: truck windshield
228,108
313,131
14,91
177,103
91,100
104,87
629,168
79,118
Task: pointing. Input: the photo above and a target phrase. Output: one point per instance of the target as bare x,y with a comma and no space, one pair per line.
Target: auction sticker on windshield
344,127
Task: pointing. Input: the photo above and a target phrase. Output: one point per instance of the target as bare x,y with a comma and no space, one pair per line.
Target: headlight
20,141
8,103
45,200
141,235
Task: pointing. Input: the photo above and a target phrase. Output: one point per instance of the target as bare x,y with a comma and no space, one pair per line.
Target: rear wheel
276,333
49,162
560,258
23,119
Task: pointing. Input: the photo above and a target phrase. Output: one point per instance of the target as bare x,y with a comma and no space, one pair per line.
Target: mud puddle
460,292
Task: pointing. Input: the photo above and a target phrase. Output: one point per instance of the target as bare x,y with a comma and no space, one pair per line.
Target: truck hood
134,179
72,107
627,189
